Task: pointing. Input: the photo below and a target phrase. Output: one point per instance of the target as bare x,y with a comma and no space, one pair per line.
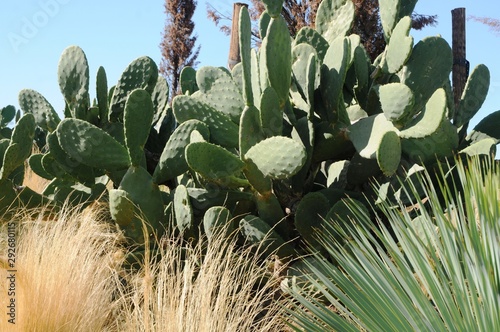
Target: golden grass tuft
66,273
69,278
210,286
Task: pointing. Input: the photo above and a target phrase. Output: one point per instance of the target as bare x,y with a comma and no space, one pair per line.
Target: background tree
178,43
300,13
492,23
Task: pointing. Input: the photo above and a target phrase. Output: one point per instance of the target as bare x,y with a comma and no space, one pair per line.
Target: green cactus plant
334,18
7,114
216,218
74,79
273,145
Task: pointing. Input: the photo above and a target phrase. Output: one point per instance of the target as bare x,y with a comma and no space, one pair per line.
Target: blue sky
33,34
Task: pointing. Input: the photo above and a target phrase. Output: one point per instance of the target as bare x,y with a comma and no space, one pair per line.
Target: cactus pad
215,218
172,160
212,161
137,119
256,231
19,148
273,7
91,146
251,131
188,80
430,119
474,95
389,153
367,133
276,54
397,102
73,76
223,131
277,157
313,38
334,18
182,209
147,198
141,73
399,48
33,102
218,90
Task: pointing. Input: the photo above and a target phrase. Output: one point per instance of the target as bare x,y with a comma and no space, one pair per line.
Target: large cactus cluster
270,148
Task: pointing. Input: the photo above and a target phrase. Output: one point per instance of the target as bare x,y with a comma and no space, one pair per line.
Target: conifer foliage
178,47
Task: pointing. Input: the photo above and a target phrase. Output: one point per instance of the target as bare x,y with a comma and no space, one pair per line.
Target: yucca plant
430,269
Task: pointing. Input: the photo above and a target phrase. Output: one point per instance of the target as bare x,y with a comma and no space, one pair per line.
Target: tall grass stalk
439,271
70,277
204,287
66,272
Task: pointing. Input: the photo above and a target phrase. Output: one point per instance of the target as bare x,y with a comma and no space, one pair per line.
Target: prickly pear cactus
272,146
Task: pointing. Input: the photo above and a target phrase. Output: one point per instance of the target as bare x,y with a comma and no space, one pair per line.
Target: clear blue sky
33,34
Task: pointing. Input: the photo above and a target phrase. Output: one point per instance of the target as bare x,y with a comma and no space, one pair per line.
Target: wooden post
460,63
234,47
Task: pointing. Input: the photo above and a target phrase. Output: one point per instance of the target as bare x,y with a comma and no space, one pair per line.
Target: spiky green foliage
431,269
259,140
